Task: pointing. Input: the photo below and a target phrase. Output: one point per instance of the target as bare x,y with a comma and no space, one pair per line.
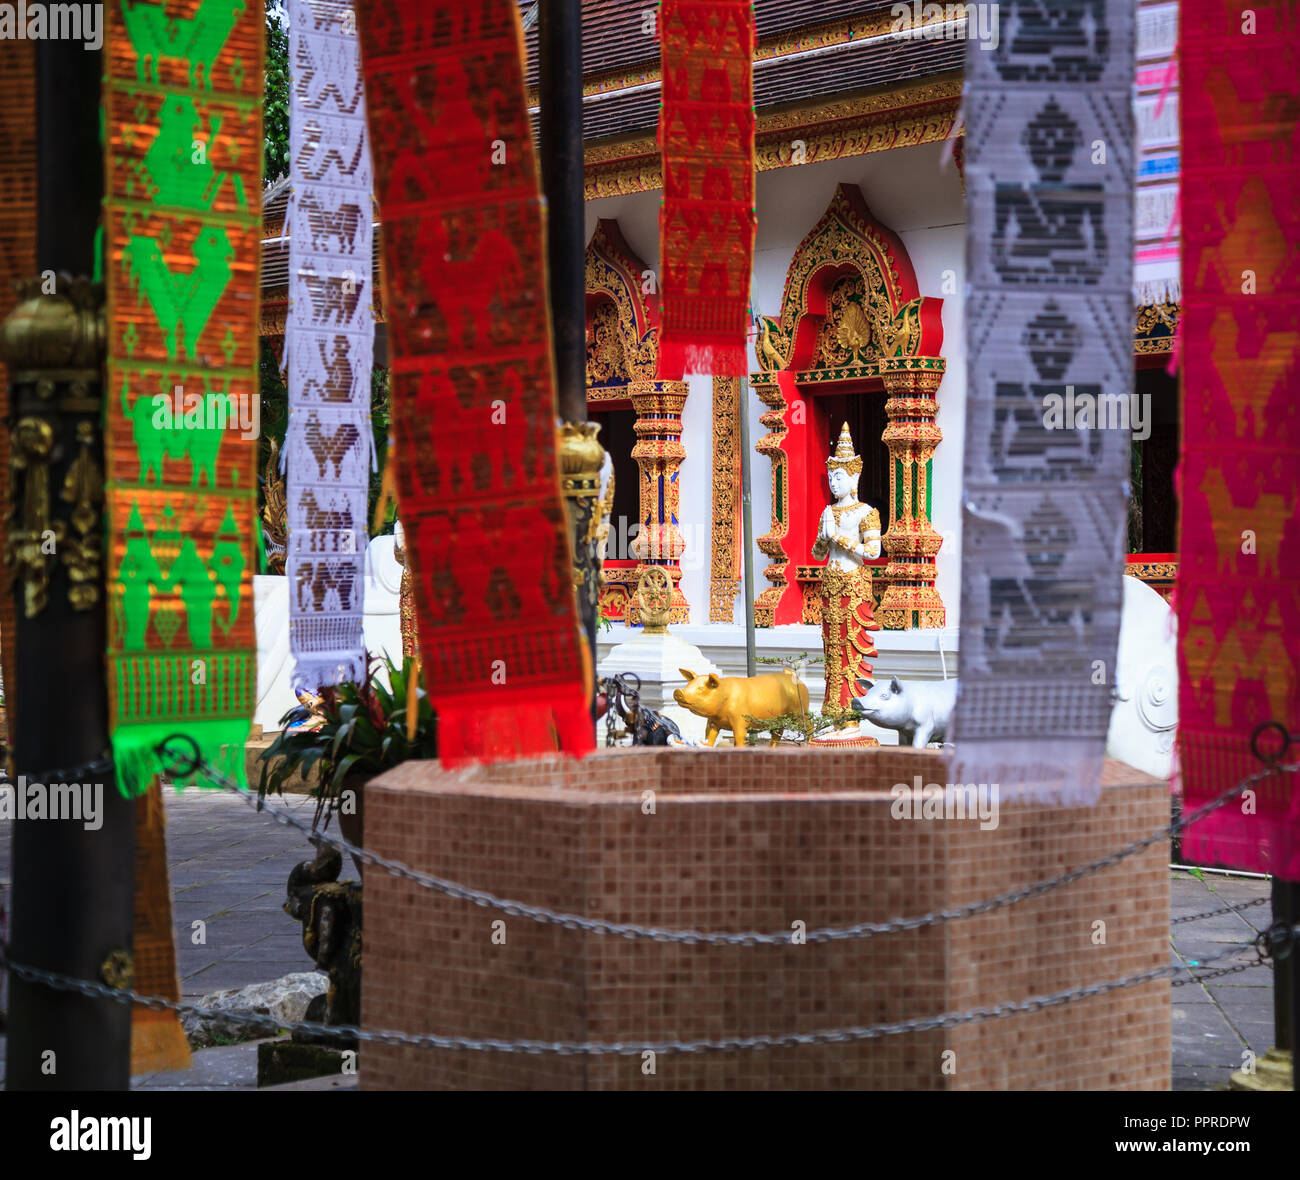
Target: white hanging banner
1049,348
329,345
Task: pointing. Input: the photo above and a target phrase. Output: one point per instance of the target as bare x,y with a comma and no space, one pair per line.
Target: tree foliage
275,107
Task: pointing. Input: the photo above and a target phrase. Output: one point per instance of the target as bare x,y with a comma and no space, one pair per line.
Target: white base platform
657,661
909,655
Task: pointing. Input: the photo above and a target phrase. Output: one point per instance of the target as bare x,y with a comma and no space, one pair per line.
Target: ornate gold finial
844,458
53,344
581,457
60,329
654,599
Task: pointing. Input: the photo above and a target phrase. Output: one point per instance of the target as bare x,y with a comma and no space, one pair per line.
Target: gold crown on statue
844,458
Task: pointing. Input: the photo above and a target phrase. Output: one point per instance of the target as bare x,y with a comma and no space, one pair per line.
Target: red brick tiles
756,839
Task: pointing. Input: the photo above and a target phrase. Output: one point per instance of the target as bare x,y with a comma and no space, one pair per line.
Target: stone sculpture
920,710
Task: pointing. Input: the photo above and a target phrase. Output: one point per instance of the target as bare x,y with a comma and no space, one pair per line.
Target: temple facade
859,270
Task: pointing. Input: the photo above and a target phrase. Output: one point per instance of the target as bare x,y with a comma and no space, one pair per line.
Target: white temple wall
696,506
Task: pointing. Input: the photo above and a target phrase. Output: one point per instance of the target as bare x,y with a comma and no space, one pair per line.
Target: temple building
859,271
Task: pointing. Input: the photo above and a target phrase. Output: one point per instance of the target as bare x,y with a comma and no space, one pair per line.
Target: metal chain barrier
82,772
1227,909
185,766
1263,945
635,1048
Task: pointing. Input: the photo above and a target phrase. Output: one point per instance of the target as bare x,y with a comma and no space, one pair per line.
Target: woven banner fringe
472,385
323,668
220,744
723,358
1069,778
472,731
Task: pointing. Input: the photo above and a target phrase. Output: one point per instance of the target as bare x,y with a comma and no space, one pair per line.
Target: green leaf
344,735
341,771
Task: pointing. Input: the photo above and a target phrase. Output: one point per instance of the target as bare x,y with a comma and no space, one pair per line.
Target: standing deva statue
848,535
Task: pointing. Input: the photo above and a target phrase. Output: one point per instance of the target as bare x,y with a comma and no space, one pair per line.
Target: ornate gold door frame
622,359
852,320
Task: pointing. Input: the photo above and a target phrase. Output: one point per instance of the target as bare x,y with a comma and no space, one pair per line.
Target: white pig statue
920,709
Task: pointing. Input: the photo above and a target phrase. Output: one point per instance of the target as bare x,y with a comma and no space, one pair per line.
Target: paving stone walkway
229,865
1215,1022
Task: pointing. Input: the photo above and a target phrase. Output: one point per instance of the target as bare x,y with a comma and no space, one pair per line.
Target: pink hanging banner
1238,590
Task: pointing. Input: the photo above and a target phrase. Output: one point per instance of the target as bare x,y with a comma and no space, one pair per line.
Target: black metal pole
72,882
559,51
1286,976
747,528
559,44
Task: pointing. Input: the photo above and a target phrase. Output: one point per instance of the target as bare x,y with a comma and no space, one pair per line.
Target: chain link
1216,974
1227,909
621,1048
82,772
570,921
574,921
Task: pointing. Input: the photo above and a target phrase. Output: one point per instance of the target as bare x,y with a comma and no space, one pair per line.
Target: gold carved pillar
659,453
910,599
724,561
771,543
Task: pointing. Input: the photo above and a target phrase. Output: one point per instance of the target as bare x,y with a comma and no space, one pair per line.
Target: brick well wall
753,839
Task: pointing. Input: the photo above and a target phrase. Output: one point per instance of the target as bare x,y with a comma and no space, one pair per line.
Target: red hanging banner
1238,589
472,383
707,222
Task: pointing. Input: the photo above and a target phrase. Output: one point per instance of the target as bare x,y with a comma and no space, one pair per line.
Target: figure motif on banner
849,534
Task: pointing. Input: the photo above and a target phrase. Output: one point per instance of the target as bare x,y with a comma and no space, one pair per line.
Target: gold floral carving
622,341
1159,575
275,512
771,543
606,356
866,316
867,331
1155,329
725,569
910,598
406,605
808,134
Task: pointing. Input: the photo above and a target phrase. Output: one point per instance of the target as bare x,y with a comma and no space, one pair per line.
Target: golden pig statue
725,701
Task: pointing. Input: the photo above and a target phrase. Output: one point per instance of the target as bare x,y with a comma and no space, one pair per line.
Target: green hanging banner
183,144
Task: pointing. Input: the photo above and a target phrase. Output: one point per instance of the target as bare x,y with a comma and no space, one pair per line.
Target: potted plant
349,734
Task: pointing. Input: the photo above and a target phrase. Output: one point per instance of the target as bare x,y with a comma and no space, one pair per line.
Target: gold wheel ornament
654,596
